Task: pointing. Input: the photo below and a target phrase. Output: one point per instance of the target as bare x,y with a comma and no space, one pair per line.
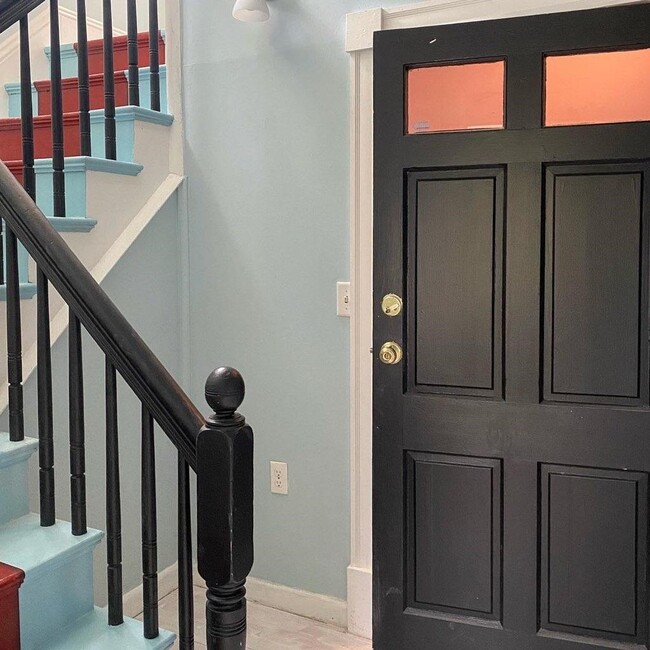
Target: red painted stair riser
121,53
70,88
11,142
10,580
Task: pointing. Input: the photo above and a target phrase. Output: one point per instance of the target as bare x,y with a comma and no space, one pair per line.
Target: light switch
343,299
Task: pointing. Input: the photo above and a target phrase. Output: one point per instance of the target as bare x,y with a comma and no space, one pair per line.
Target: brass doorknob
390,353
391,304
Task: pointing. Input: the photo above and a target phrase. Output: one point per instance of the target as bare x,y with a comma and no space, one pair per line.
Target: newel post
225,510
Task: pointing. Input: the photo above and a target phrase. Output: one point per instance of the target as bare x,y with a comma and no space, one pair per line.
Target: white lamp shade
251,11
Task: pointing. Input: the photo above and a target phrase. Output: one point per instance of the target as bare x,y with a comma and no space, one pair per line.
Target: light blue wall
266,110
144,285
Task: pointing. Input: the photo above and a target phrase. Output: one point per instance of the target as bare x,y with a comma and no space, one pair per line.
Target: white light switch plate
343,299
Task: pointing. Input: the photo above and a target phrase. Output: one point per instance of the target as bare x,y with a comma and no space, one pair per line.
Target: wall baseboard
360,601
326,609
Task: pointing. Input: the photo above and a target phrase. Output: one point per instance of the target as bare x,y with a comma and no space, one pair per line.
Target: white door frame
361,27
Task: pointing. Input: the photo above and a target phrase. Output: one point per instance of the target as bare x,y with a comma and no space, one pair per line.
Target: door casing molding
361,27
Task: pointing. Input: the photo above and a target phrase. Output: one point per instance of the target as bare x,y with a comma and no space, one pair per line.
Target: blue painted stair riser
14,461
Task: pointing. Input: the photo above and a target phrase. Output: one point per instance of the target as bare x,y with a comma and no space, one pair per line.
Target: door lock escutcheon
391,305
390,353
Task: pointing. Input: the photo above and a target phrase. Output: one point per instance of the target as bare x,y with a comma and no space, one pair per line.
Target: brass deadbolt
391,304
390,353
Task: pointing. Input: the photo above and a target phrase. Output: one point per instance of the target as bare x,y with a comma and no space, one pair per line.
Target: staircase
56,598
91,225
100,120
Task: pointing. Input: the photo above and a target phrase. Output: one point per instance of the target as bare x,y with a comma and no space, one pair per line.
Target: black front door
512,439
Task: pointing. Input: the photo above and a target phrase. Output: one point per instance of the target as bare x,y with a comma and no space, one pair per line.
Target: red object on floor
11,139
10,581
121,53
70,88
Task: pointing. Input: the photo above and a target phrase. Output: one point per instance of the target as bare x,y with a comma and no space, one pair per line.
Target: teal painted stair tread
76,177
15,452
92,632
14,458
25,544
127,119
27,291
58,587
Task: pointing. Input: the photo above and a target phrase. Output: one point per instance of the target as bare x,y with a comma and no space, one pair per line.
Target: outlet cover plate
279,478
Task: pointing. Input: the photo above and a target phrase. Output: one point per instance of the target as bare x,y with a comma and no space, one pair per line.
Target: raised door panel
455,531
593,552
455,281
596,306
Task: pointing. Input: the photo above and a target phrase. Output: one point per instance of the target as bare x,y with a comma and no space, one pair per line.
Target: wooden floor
268,629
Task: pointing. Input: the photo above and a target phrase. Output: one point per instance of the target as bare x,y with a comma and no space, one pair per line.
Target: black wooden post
225,510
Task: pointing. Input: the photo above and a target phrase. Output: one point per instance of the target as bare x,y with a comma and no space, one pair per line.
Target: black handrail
138,365
11,11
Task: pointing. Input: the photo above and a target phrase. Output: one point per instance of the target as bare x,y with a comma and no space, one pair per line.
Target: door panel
457,313
455,541
511,444
593,552
595,229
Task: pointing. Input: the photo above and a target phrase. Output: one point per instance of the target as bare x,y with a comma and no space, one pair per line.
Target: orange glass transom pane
598,88
460,97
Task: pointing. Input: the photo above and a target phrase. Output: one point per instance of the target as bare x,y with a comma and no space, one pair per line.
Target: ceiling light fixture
251,11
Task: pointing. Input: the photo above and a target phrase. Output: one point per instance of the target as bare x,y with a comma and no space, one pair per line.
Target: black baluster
132,37
26,110
149,529
109,84
185,587
84,81
113,503
77,428
14,340
154,55
58,150
45,413
225,510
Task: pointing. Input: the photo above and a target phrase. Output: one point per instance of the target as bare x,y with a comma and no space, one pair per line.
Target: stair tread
25,544
92,632
14,452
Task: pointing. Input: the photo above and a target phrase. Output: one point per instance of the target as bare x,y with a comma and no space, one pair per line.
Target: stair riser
121,55
11,146
55,599
71,94
15,495
14,467
11,142
14,502
42,94
69,59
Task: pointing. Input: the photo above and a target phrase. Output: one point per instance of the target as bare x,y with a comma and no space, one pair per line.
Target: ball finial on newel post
224,458
224,390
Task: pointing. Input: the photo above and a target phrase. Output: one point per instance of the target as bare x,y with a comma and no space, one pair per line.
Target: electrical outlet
279,478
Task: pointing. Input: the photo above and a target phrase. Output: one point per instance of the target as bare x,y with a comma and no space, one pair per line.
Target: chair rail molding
360,30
